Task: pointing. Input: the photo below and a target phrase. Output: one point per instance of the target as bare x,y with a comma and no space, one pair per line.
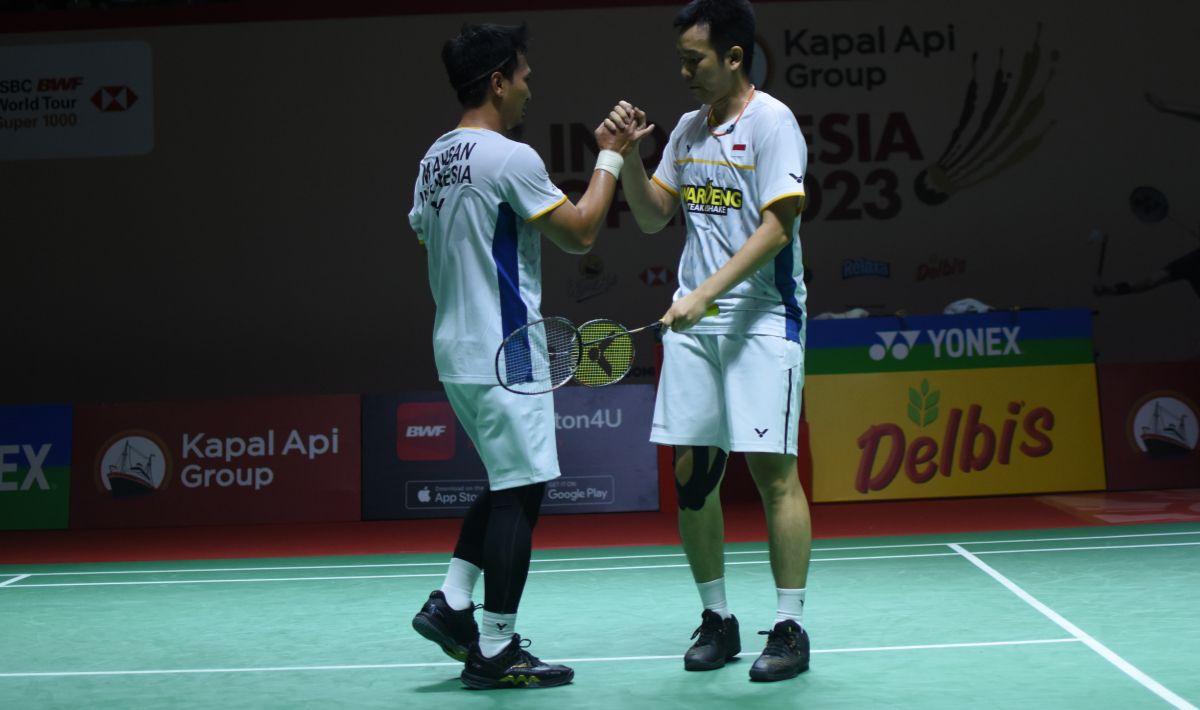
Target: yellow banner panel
952,433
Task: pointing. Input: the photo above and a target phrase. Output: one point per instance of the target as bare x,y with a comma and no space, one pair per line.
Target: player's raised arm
651,203
573,226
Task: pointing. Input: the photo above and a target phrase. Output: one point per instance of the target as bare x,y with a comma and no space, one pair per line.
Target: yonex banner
959,405
937,342
292,459
419,463
1150,412
35,467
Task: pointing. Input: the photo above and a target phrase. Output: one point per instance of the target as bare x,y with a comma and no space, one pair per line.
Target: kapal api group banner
293,459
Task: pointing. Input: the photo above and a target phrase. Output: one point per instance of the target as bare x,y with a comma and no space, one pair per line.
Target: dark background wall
261,246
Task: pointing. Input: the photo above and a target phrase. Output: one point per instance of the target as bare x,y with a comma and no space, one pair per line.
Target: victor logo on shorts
425,431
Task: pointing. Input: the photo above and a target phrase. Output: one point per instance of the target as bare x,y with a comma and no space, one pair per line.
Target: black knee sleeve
706,476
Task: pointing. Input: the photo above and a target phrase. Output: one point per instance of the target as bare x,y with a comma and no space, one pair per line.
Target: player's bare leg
702,530
789,539
698,474
789,527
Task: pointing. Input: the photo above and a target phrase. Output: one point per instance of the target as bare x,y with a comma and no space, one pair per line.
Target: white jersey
475,195
724,183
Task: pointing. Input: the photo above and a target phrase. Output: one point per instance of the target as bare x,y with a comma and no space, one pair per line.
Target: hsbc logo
425,431
114,98
657,276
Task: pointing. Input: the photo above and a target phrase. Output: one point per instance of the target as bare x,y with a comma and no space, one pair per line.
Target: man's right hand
623,130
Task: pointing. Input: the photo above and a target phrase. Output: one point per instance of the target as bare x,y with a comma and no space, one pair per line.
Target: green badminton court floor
1091,618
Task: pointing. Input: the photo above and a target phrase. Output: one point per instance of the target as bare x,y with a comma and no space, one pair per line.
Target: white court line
569,570
449,664
728,553
1107,654
18,578
1090,547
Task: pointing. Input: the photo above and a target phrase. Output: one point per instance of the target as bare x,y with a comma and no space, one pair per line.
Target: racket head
607,353
539,357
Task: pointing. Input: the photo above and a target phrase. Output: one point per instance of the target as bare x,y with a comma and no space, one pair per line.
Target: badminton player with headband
732,382
481,204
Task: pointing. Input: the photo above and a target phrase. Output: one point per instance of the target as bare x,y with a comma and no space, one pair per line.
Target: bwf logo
425,431
898,342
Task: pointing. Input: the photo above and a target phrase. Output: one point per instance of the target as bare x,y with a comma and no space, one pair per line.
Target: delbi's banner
35,467
76,100
949,406
419,462
276,460
1150,412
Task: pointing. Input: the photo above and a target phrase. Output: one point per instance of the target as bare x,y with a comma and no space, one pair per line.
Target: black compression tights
497,536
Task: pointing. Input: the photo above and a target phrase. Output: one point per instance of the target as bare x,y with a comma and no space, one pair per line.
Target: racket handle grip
711,311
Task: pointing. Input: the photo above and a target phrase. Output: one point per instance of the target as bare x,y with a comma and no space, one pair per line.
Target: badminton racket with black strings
544,355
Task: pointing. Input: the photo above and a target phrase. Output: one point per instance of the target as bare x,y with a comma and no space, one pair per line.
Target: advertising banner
419,463
953,405
1150,414
293,459
76,100
35,467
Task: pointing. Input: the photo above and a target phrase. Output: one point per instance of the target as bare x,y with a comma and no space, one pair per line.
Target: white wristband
610,161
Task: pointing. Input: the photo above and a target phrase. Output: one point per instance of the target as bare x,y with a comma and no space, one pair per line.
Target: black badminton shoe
453,630
514,667
717,641
786,654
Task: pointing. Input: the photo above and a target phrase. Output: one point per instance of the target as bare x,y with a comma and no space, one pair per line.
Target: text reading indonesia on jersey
446,168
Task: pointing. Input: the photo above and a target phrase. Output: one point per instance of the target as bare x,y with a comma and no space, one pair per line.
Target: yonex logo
899,348
34,475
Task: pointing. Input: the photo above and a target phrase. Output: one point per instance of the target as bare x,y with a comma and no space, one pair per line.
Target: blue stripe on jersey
786,283
513,313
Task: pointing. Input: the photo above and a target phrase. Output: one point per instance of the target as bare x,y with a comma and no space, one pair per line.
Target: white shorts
736,392
513,433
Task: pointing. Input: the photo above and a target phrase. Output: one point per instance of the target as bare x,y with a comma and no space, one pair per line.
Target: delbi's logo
1164,425
133,463
966,442
710,199
425,431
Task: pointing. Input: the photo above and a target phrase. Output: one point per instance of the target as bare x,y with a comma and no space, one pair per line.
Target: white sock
460,583
712,596
790,606
495,632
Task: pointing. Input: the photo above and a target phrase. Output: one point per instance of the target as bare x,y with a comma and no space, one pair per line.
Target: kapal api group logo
133,464
1163,425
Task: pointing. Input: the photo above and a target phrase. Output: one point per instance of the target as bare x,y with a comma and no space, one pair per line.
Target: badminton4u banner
419,462
954,406
279,460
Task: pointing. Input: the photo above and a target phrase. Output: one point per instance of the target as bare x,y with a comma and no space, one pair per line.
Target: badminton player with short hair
732,381
481,204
